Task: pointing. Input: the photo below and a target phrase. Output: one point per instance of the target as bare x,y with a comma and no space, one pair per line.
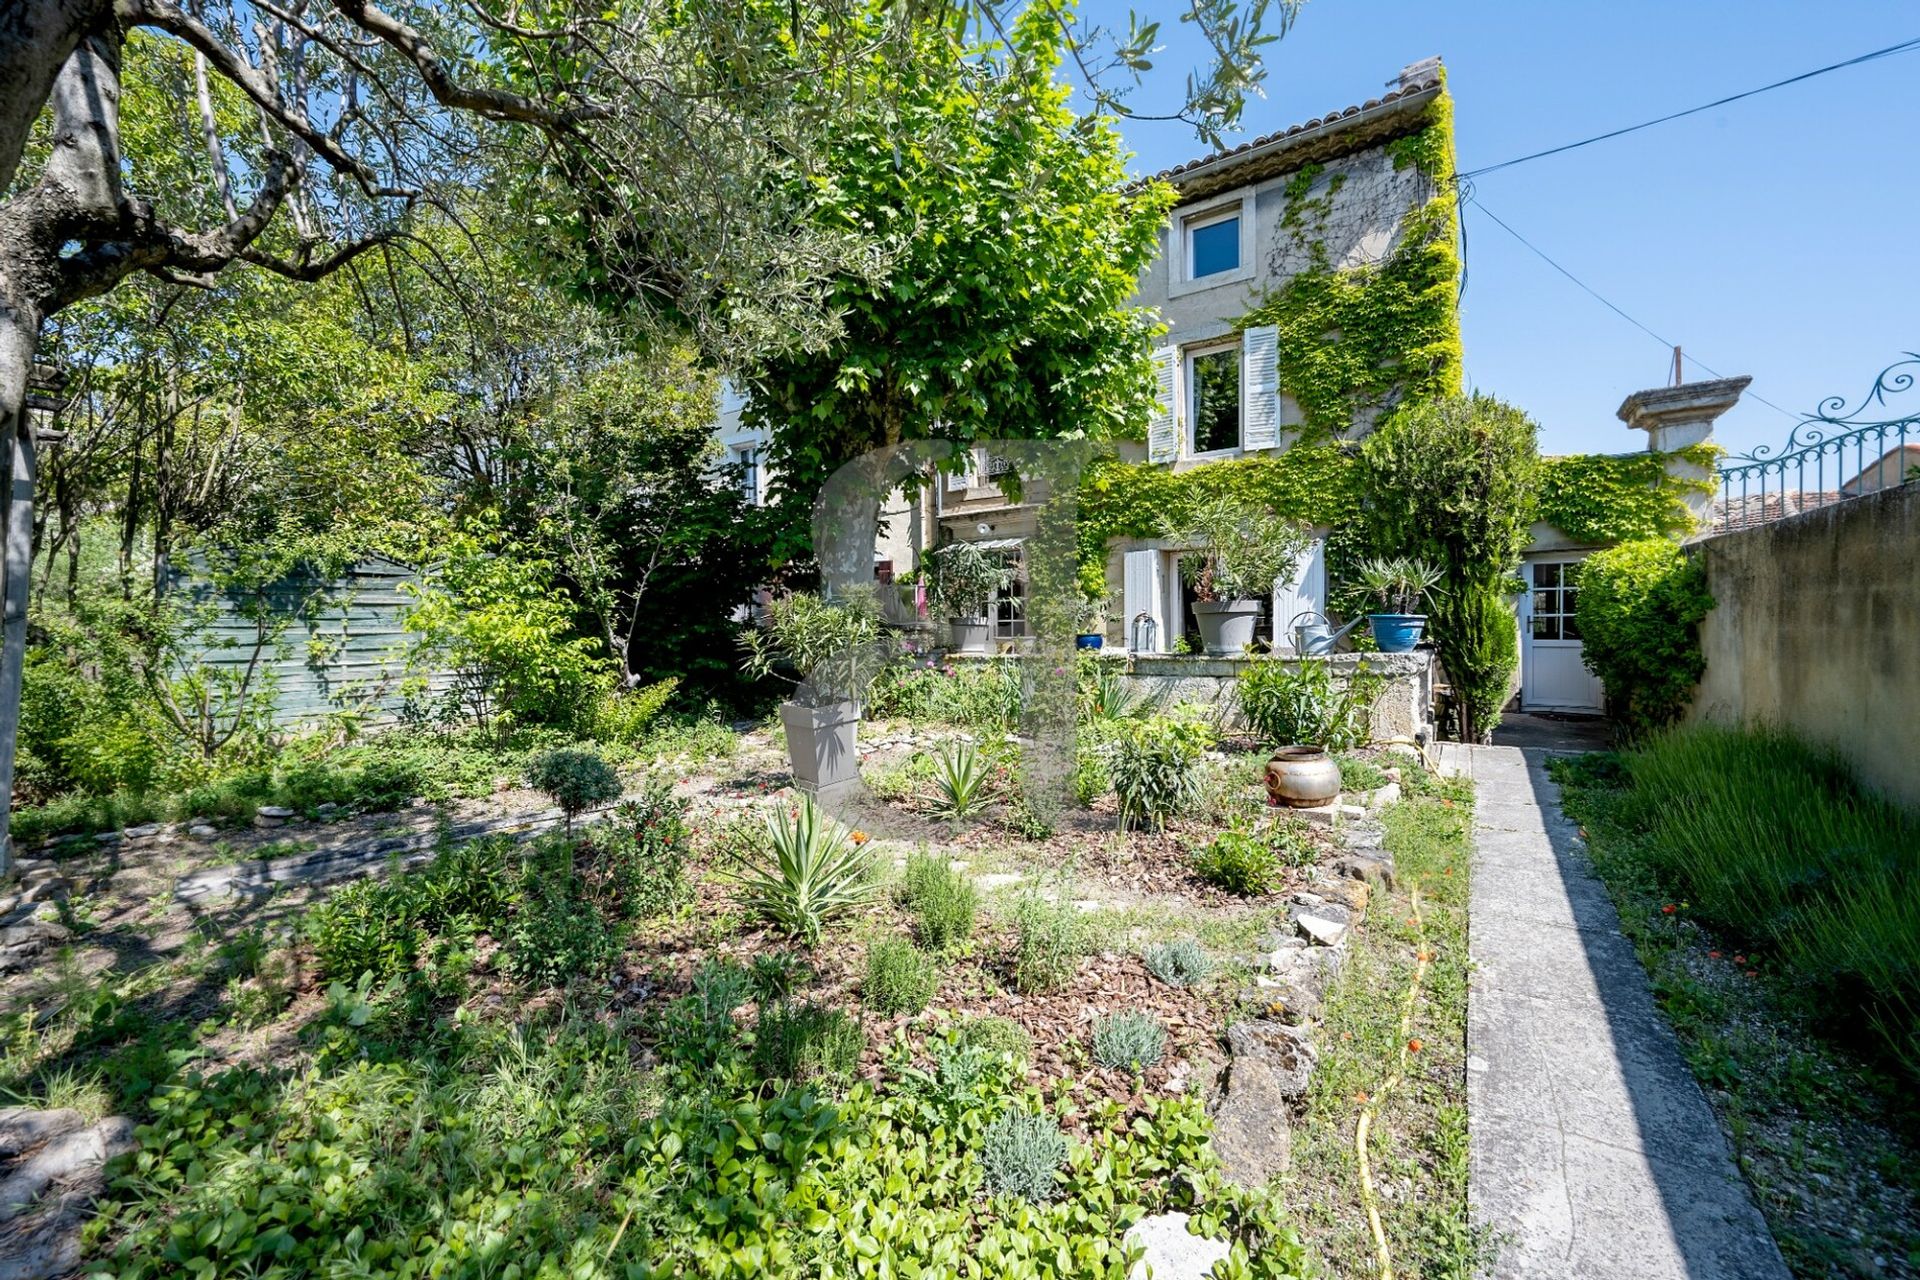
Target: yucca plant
963,781
809,870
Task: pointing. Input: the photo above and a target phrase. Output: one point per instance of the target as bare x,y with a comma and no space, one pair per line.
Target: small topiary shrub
1639,610
993,1034
807,1042
943,901
900,977
575,779
1155,768
1179,964
1022,1154
1129,1041
1051,940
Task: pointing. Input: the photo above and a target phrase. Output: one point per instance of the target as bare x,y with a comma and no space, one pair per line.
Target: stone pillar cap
1688,402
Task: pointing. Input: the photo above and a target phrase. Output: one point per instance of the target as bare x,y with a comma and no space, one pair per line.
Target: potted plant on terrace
832,651
964,580
1241,549
1400,584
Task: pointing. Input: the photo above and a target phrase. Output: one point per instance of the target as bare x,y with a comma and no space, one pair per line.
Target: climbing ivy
1606,498
1358,340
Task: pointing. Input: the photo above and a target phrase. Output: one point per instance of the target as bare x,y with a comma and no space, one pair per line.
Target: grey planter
969,634
822,743
1226,626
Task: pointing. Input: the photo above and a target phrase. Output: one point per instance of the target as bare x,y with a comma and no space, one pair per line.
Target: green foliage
625,715
944,901
828,647
1156,768
1639,610
1360,340
492,615
1021,1155
1128,1041
963,579
924,348
993,1034
1181,963
383,926
1359,774
642,851
807,1042
1243,548
1774,842
1287,701
1455,482
574,779
1251,859
558,934
1602,498
1050,940
808,871
900,977
1398,584
963,779
974,695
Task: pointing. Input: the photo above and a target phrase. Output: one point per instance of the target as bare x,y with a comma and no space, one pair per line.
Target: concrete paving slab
1593,1152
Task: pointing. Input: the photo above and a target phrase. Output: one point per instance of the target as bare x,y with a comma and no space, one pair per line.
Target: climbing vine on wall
1605,498
1358,340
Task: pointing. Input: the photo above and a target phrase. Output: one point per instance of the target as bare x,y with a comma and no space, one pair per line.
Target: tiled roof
1764,508
1336,133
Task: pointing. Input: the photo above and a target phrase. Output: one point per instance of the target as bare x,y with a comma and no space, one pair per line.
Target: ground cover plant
1721,850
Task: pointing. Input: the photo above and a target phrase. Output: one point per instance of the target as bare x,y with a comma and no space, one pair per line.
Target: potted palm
832,651
1400,584
1090,626
1240,549
964,580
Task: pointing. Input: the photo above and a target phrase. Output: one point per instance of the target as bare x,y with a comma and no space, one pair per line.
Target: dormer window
1213,244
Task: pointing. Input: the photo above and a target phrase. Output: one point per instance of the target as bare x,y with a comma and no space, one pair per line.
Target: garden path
1593,1152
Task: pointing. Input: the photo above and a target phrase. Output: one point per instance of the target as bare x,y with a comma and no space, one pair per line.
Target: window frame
747,458
1190,387
1184,222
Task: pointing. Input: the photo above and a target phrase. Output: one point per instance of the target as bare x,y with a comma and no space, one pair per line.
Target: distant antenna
1677,377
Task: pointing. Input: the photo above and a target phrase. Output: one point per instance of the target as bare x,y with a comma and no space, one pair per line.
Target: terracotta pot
1302,777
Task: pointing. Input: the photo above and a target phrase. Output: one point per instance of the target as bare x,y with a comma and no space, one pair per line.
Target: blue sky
1774,237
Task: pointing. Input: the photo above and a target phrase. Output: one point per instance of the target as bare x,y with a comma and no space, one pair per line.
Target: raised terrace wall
1816,628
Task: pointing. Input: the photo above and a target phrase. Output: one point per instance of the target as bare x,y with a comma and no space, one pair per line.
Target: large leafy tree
1013,241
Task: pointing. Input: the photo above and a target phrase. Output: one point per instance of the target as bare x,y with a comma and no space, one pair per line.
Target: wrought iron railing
1830,456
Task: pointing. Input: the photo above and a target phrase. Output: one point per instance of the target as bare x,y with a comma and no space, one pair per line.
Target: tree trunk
19,339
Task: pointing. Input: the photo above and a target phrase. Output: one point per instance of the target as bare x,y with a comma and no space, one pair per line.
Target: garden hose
1432,765
1368,1196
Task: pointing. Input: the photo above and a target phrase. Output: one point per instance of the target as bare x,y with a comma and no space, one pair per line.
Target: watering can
1316,639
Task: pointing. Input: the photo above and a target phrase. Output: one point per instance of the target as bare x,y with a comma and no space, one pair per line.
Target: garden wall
1816,628
1405,709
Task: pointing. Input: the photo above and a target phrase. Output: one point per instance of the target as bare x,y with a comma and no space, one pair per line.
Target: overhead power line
1597,296
1905,46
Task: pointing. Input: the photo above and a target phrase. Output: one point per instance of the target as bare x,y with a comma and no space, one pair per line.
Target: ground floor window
1009,608
1554,598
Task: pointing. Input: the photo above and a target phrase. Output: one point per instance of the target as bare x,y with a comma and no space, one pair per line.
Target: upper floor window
1213,244
1213,399
748,459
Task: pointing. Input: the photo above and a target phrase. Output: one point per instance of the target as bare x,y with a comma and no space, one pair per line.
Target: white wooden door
1143,592
1307,589
1553,676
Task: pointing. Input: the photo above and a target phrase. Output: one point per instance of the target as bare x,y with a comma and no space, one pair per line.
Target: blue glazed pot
1089,641
1397,632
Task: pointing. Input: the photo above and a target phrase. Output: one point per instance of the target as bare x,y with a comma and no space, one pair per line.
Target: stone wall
1405,709
1816,628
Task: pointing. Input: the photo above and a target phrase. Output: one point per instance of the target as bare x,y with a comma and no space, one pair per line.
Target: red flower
1739,959
1668,910
1413,1046
1753,973
1713,955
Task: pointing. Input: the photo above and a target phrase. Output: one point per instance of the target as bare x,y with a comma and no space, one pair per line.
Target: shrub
1179,964
1244,547
575,779
943,900
697,1029
1248,858
900,977
1455,481
643,851
983,696
830,649
1639,607
1357,774
369,926
1051,939
557,935
994,1034
1128,1041
624,716
1021,1155
1286,701
807,1042
963,780
772,975
1155,766
808,871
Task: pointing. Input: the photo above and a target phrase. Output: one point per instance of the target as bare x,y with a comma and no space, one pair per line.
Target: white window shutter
1163,427
1260,349
1142,593
1306,589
